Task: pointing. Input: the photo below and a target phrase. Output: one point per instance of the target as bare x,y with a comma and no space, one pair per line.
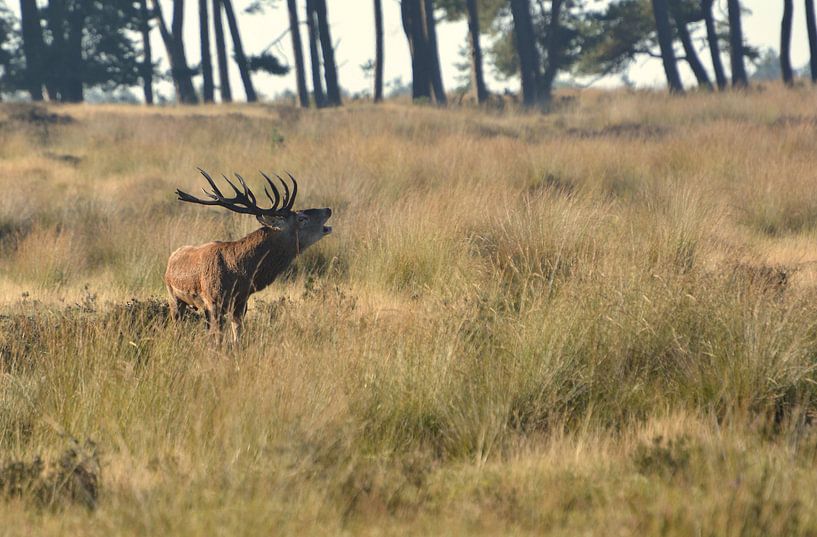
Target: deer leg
214,319
177,307
236,320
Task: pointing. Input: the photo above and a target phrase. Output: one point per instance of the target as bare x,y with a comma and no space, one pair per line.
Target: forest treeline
58,49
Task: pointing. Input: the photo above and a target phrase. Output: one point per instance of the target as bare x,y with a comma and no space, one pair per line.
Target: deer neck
263,254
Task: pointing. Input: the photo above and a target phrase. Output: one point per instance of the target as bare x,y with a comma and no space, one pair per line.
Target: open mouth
327,230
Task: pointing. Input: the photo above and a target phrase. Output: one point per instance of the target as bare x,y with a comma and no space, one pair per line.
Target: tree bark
72,84
314,55
330,68
692,56
662,25
221,55
785,42
412,17
714,46
182,79
297,48
56,65
33,48
526,50
147,62
208,90
739,78
477,77
554,49
238,49
812,39
378,51
434,53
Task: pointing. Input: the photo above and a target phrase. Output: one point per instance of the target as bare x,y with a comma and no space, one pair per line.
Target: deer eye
302,218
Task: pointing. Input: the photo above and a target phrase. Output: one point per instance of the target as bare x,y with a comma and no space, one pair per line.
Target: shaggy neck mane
264,254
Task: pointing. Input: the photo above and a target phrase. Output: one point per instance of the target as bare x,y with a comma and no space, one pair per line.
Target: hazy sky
352,27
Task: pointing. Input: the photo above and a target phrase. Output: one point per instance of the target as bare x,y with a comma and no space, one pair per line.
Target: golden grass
597,321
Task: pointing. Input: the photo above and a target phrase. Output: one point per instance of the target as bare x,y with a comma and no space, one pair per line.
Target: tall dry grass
595,321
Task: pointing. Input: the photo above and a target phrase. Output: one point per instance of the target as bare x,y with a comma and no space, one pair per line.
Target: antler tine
216,191
245,201
294,190
241,197
241,203
247,192
286,191
274,191
184,196
235,189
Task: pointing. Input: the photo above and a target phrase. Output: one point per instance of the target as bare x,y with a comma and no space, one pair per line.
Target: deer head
306,227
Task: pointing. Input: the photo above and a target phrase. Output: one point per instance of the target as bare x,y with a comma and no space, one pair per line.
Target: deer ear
274,223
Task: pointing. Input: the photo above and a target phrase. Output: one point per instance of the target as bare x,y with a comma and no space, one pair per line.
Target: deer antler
245,202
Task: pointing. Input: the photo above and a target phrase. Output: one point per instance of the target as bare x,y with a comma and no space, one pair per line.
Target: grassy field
599,321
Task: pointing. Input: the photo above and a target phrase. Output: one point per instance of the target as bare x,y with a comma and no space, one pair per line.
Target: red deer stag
218,277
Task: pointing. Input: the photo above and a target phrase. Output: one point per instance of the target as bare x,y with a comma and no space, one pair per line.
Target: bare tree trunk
238,49
56,64
378,51
554,50
477,77
177,34
526,50
221,55
33,48
314,55
330,68
812,39
785,42
72,87
692,55
208,91
434,53
661,14
412,17
147,62
739,78
714,47
297,48
182,80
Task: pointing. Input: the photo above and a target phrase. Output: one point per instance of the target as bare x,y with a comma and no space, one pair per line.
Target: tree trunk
182,80
238,49
33,48
434,53
692,55
208,91
785,42
314,55
661,14
812,38
297,48
56,64
378,51
714,47
554,50
526,50
412,17
477,77
739,78
147,62
72,87
330,68
221,55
